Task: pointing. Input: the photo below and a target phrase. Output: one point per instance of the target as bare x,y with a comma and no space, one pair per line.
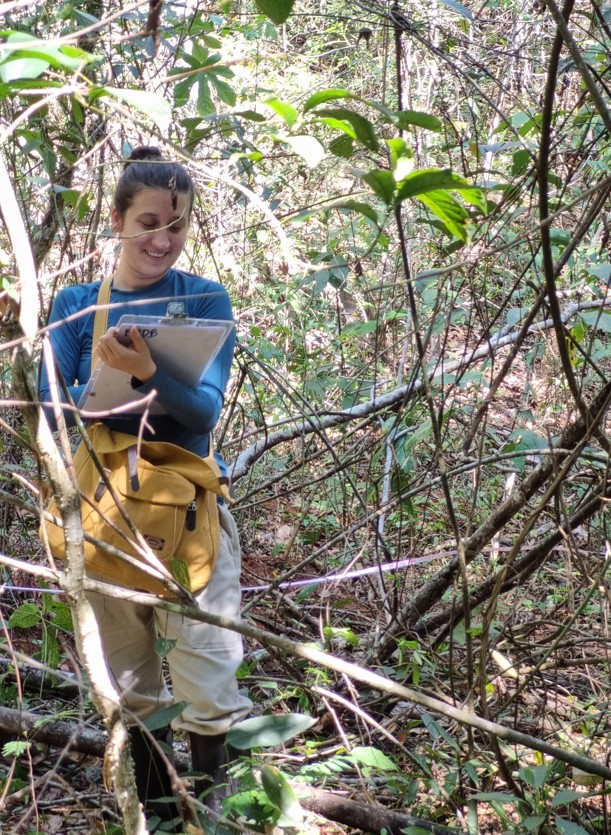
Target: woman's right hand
134,357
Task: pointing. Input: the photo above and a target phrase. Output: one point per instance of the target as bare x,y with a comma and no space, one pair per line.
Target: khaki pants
203,660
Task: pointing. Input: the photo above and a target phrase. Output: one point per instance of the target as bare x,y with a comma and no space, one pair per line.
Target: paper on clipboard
184,348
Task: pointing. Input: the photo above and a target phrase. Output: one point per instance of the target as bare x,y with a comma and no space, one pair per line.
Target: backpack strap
100,320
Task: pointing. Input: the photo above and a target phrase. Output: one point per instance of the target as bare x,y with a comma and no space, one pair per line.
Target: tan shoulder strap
100,320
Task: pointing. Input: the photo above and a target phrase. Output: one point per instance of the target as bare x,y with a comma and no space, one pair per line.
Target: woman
151,210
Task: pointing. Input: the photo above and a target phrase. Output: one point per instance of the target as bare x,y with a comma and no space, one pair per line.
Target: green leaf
566,797
280,793
533,822
152,104
284,110
307,147
277,10
598,319
162,718
382,183
264,731
602,271
536,776
180,572
567,827
205,105
407,118
457,7
26,616
224,91
451,213
362,129
327,95
163,646
372,757
15,748
432,179
363,208
24,56
342,205
14,68
496,797
342,146
62,617
359,329
251,115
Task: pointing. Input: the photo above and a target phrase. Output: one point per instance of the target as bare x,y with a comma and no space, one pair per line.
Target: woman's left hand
134,358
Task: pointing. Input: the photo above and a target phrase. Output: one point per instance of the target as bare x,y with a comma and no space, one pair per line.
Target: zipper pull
191,516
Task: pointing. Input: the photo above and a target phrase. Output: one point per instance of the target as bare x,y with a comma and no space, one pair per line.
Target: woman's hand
134,357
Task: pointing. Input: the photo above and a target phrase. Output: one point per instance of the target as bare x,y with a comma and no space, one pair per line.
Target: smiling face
153,236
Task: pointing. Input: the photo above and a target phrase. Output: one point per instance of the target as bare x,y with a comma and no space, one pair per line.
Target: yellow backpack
169,493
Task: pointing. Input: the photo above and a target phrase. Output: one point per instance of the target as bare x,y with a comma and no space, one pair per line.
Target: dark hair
146,168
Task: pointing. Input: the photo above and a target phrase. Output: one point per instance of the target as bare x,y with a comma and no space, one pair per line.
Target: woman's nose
161,239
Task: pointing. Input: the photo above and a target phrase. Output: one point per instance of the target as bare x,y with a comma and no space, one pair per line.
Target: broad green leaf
407,118
602,271
398,148
263,731
277,10
363,208
224,91
280,793
382,183
327,95
565,797
449,211
342,205
26,616
359,329
162,718
362,127
284,110
536,776
495,797
598,319
341,125
205,105
431,179
372,757
24,56
457,7
62,617
14,68
308,148
152,104
567,827
251,115
533,823
180,572
342,146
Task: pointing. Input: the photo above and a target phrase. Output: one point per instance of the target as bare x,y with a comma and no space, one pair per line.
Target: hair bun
144,152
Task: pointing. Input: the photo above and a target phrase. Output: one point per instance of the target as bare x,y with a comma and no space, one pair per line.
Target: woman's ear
116,220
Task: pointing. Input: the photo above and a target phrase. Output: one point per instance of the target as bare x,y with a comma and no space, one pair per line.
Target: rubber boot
212,756
152,777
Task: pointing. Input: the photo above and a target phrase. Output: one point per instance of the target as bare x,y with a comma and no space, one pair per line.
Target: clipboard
183,347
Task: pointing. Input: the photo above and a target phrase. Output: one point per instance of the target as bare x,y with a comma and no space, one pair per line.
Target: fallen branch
358,673
72,736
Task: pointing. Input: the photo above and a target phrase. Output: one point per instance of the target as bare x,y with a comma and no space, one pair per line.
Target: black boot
152,778
212,756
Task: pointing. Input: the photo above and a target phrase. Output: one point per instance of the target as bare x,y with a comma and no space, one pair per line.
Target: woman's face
153,236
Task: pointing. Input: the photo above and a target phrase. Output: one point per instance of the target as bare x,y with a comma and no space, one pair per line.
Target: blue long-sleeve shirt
192,411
